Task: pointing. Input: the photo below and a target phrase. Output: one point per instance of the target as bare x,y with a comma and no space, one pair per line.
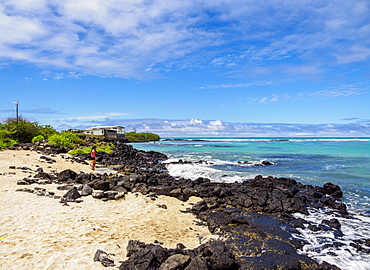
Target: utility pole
16,109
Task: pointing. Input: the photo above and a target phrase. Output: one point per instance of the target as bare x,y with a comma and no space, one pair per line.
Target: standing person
93,157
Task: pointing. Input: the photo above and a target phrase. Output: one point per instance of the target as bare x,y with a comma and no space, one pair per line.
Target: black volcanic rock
254,216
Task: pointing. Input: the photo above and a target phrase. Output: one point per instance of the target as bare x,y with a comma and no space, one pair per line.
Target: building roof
104,127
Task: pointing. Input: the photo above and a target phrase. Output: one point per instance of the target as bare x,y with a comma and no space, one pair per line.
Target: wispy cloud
238,85
136,38
61,75
89,117
35,111
340,92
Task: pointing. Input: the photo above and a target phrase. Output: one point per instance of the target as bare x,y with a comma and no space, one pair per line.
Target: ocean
315,161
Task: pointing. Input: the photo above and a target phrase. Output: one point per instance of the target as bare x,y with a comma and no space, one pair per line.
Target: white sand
41,233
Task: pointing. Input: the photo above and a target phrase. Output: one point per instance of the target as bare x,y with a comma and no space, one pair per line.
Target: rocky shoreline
253,219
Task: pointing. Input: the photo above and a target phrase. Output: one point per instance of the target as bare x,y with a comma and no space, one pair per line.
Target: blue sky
189,68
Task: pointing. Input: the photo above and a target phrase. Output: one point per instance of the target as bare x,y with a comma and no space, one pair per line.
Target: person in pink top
93,157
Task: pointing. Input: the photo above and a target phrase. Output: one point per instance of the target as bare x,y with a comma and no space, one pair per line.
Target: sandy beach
38,232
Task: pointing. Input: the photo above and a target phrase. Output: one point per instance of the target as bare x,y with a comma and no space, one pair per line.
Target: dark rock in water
267,163
257,241
361,245
327,266
331,189
314,228
262,163
330,202
103,257
334,223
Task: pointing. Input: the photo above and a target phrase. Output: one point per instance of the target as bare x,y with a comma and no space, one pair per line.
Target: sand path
38,232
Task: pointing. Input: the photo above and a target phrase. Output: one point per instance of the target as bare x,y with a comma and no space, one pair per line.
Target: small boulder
98,194
66,175
86,190
72,194
175,262
103,257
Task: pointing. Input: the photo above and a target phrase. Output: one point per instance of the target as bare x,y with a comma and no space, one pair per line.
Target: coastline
41,233
253,219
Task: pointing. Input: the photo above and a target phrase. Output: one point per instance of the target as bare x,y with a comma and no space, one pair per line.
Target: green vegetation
107,147
66,139
38,138
22,131
4,143
142,137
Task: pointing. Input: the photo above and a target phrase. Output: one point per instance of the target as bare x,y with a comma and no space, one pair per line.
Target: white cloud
195,122
136,38
215,123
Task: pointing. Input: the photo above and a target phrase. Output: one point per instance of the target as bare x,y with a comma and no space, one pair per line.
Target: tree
24,130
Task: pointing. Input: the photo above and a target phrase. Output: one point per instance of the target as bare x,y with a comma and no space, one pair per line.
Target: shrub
84,150
47,131
4,143
38,138
142,137
103,148
66,139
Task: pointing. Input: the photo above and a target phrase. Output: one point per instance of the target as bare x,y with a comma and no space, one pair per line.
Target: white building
110,132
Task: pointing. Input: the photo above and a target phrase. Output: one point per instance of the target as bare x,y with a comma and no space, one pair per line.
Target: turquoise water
315,161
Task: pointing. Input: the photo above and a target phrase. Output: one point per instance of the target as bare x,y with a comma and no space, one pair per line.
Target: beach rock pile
41,147
211,255
126,159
